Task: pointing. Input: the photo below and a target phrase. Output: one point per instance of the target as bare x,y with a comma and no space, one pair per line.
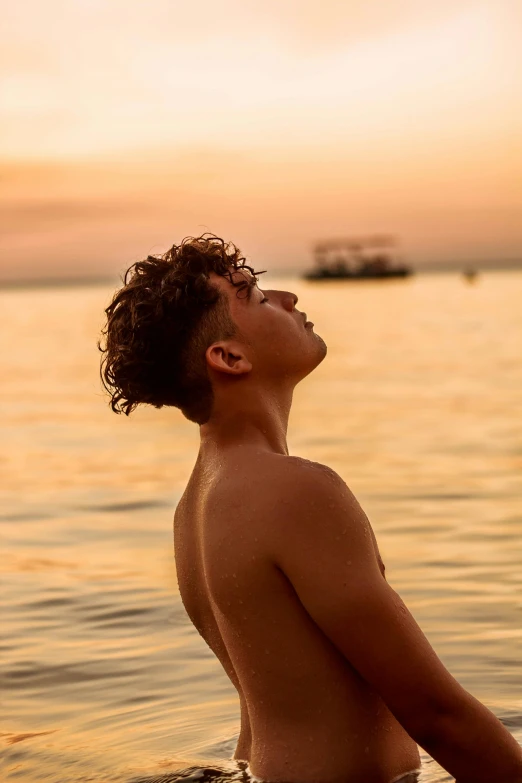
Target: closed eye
263,300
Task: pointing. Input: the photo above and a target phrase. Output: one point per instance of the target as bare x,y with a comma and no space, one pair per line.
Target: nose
290,300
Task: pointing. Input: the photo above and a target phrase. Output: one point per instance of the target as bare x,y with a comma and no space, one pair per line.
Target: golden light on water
125,126
416,406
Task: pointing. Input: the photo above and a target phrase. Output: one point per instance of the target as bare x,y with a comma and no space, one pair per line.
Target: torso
306,715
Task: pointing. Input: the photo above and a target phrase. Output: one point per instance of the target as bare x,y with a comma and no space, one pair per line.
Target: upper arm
326,548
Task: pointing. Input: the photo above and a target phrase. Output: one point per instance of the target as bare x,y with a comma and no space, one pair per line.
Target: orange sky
125,126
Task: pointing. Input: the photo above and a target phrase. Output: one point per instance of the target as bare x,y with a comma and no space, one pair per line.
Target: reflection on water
239,773
416,406
218,773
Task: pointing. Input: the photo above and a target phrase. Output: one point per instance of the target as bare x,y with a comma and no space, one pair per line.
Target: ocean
417,406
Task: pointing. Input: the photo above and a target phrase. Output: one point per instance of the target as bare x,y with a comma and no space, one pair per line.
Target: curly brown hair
160,323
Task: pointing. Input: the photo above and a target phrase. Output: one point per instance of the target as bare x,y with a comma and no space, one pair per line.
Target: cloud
269,122
157,75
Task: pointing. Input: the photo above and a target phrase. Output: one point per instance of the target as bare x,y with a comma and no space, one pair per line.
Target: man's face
276,339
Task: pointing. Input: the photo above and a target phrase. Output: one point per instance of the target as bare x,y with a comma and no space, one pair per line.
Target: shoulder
319,494
316,529
302,480
302,494
296,471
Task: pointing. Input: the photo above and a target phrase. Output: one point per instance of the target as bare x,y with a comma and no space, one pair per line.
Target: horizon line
93,280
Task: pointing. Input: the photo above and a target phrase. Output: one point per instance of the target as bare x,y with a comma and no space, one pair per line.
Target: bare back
306,714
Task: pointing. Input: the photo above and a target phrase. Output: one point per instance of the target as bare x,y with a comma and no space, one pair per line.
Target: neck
254,419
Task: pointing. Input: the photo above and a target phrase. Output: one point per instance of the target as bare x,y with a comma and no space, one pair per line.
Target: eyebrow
249,285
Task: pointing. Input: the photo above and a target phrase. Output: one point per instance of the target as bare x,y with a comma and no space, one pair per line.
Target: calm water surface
417,406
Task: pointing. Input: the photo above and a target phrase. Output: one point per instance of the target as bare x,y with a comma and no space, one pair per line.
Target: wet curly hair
160,323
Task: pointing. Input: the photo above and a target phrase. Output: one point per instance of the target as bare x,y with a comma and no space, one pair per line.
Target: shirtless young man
277,563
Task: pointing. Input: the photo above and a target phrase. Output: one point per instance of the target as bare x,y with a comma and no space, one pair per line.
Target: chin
322,348
316,358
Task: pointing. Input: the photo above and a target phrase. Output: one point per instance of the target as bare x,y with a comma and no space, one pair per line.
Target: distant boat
355,259
470,274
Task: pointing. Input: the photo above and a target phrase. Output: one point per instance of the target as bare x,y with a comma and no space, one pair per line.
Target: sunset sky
127,125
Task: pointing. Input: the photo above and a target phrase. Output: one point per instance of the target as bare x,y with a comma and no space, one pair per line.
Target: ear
228,357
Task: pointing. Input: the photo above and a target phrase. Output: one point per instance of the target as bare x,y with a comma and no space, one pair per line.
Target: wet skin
280,573
306,714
